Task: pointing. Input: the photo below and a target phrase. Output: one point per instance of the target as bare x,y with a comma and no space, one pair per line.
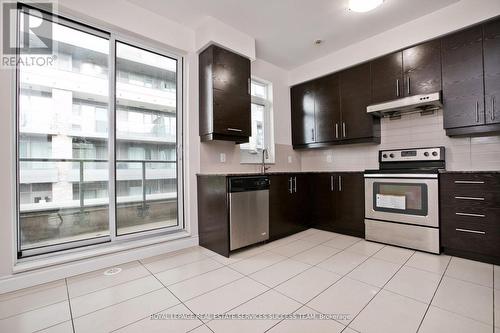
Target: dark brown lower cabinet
470,215
338,202
297,201
288,204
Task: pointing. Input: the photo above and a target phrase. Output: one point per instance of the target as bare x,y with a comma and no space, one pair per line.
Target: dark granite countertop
482,171
270,173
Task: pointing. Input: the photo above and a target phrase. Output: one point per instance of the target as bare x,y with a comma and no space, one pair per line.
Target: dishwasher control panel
248,183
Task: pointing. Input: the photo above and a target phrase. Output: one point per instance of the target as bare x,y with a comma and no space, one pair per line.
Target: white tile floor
321,281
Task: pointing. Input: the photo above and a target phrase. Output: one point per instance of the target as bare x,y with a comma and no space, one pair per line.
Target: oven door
411,200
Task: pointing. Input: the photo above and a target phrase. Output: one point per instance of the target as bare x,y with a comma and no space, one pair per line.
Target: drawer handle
471,231
472,215
470,198
469,182
234,129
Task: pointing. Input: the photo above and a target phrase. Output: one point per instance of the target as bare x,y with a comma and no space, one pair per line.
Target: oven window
401,198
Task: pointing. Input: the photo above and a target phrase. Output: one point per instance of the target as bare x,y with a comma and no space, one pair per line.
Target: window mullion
112,137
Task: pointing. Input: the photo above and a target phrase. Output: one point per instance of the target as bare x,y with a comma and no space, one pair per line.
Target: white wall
454,17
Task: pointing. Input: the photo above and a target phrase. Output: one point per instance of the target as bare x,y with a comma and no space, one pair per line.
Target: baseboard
53,273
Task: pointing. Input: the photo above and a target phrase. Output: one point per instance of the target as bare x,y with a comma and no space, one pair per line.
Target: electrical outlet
223,157
329,158
289,159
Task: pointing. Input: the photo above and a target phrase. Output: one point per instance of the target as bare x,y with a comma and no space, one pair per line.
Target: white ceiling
285,30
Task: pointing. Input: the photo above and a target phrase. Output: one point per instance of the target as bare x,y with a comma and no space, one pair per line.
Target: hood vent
417,103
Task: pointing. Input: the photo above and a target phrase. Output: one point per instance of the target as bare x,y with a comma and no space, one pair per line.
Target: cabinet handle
331,183
409,90
469,182
477,111
469,214
295,184
234,129
397,87
290,189
312,131
470,198
343,129
249,86
470,231
336,130
492,107
340,183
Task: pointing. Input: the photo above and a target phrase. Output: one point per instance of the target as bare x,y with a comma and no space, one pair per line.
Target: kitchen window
97,155
262,127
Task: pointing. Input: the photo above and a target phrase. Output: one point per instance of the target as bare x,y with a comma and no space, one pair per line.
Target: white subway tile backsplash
411,131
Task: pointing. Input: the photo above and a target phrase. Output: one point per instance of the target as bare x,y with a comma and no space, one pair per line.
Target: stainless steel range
401,198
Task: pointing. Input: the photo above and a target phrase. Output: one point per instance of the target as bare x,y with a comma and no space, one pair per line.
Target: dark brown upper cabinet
387,78
303,108
355,96
492,71
413,71
332,110
225,105
422,69
463,92
327,109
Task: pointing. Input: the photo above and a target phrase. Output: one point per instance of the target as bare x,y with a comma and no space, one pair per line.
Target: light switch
223,157
329,158
289,159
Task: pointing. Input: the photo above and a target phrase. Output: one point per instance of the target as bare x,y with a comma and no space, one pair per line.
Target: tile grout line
181,302
341,277
494,319
141,277
69,304
345,275
382,288
433,295
164,309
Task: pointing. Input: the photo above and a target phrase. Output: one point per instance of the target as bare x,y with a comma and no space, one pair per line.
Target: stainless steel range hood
417,103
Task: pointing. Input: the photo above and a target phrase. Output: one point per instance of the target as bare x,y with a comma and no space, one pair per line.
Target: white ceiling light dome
362,6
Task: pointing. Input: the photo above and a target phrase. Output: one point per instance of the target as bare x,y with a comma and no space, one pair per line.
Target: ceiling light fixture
362,6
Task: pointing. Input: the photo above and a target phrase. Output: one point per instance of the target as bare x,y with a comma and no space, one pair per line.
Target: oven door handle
402,175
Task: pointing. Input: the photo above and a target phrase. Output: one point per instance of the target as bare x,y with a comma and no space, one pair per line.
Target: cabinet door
323,201
387,77
327,109
492,71
422,68
281,213
230,72
303,126
231,113
462,67
350,201
301,202
355,95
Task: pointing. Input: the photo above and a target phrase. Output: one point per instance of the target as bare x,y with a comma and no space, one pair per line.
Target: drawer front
471,186
471,237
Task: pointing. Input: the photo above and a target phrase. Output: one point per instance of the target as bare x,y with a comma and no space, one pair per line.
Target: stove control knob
434,153
391,155
384,156
426,154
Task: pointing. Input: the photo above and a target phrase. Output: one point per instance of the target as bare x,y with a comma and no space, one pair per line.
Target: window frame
113,36
248,156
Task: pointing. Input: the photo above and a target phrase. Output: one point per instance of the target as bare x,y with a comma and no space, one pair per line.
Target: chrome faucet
265,155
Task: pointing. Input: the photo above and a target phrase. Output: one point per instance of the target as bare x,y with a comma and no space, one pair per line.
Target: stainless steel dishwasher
248,210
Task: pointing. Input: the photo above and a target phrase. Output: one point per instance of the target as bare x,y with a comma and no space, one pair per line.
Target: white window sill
29,264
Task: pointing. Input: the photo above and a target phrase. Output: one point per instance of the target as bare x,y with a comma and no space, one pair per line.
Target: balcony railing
129,199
